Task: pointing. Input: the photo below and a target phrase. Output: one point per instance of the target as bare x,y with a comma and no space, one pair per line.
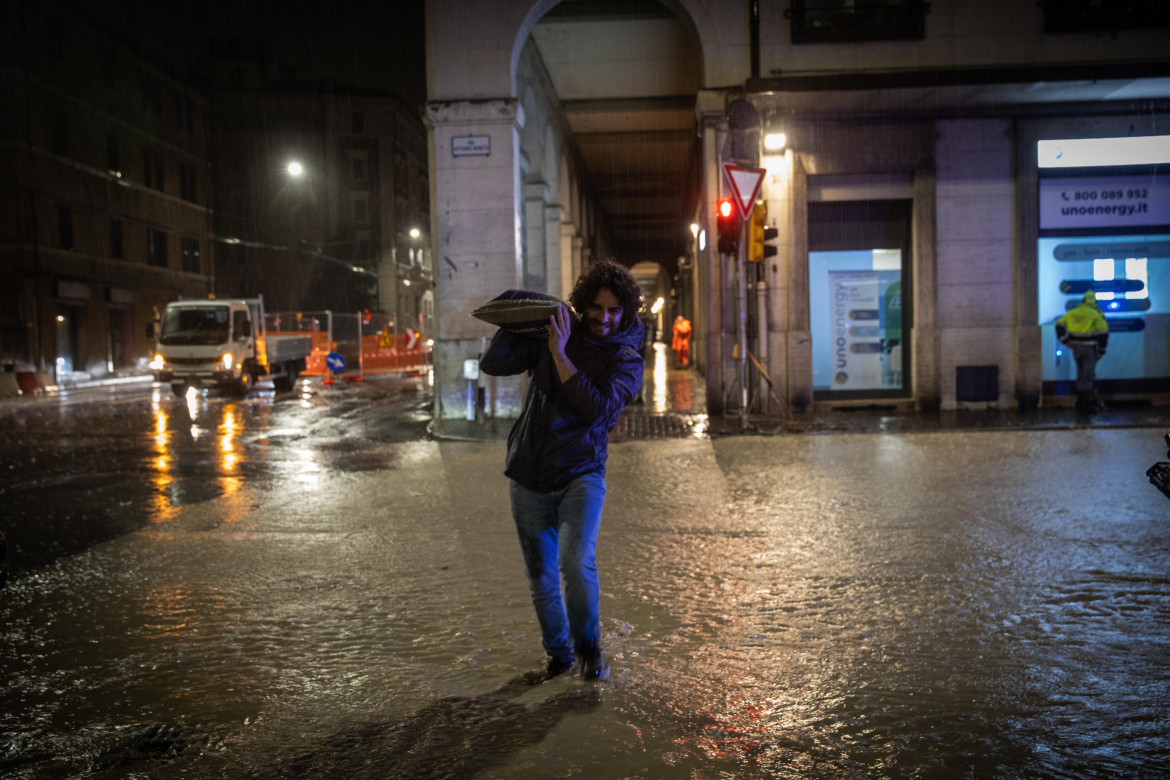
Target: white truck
224,344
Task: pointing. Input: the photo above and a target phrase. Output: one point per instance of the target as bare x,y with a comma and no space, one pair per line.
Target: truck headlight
227,361
158,364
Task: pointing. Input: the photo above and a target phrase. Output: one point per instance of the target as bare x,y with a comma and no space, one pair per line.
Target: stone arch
682,9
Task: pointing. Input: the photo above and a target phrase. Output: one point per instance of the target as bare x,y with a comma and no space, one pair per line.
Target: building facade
926,242
104,215
345,228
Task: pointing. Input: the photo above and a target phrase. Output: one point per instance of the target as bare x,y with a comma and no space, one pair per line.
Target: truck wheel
179,390
288,377
246,382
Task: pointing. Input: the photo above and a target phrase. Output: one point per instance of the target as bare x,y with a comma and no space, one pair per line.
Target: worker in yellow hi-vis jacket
1084,330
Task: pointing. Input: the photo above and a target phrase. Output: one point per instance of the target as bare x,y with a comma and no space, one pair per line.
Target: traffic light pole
741,323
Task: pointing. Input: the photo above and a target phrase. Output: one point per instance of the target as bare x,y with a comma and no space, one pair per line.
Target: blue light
1113,304
1060,353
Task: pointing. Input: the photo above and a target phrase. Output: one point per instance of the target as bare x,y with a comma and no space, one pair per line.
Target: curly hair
612,277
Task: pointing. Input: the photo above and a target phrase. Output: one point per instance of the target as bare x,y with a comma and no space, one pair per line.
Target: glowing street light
414,233
295,169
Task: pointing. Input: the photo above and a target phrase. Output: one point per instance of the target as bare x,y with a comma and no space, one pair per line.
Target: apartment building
104,191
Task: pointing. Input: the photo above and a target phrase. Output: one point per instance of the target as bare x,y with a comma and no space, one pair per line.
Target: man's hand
560,324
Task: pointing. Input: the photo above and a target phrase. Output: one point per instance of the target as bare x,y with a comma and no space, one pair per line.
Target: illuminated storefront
1104,225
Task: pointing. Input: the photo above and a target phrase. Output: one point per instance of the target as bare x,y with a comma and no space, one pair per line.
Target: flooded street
306,587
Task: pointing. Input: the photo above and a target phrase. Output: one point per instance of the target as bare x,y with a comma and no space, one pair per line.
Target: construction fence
369,341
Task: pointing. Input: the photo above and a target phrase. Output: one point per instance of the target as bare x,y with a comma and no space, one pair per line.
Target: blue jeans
558,534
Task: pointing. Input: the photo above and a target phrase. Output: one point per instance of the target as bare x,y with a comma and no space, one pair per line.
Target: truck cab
213,343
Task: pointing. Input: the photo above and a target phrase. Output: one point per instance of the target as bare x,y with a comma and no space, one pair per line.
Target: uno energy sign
1105,201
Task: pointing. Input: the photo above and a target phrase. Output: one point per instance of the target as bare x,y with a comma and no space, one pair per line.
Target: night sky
373,45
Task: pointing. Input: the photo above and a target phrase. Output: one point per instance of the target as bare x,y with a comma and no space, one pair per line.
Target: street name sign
471,146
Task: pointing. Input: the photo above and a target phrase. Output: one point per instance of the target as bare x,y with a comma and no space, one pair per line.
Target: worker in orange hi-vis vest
681,343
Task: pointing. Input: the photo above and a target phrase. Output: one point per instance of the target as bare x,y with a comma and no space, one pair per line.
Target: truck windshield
195,325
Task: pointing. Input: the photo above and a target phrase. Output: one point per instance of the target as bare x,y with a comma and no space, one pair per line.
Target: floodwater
964,604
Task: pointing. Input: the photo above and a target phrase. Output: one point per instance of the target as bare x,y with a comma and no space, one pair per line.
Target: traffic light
728,221
759,235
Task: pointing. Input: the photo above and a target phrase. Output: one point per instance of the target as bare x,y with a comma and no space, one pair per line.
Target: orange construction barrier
393,353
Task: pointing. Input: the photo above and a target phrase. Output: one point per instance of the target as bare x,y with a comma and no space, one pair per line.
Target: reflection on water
659,378
783,607
671,390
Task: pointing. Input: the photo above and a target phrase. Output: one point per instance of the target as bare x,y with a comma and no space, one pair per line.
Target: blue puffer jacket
563,430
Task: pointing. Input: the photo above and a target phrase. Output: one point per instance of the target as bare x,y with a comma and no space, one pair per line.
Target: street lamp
414,233
295,169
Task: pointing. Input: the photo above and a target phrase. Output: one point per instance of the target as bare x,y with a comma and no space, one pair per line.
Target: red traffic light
728,222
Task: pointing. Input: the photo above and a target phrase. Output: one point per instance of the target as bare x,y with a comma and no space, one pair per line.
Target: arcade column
476,205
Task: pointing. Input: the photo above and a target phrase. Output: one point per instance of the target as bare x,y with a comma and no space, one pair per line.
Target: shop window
1105,229
858,269
70,326
1132,292
119,356
844,21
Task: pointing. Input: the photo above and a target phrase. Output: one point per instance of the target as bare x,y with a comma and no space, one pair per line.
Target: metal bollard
471,374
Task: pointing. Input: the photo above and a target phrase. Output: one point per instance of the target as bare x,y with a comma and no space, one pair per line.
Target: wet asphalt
309,585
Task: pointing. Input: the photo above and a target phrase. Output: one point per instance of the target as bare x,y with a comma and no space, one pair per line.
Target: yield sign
745,183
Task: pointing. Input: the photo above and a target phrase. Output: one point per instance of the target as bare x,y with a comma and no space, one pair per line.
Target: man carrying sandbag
582,376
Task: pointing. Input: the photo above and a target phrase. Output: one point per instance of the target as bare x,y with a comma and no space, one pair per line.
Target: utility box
976,383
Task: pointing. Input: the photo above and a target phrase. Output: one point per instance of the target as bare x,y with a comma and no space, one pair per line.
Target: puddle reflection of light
192,403
160,440
226,442
307,471
163,509
659,377
700,427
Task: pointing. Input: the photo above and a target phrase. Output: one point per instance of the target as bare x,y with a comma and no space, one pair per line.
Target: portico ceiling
626,74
